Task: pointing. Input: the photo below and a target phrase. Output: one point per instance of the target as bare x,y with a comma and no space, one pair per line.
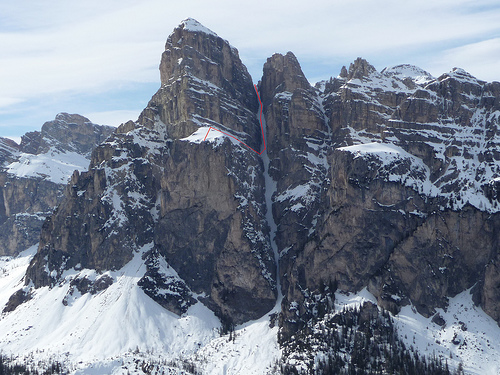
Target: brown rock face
68,132
213,233
445,255
490,293
375,222
105,214
204,83
282,73
25,202
196,206
8,150
298,138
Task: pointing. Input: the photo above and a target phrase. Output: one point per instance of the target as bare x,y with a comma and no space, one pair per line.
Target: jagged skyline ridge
116,63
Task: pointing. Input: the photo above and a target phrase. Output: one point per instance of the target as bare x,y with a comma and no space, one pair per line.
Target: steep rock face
410,189
298,138
445,255
184,196
34,173
105,214
203,83
26,202
212,228
452,125
362,100
8,150
68,132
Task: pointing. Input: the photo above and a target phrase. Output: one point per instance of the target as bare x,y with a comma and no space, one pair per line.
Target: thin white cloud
113,118
481,59
7,102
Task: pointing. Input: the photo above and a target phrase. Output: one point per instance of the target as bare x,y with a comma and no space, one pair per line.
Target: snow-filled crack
270,189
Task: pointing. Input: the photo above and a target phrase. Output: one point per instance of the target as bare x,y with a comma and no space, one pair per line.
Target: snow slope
106,332
404,71
194,26
390,157
54,165
96,327
253,351
471,183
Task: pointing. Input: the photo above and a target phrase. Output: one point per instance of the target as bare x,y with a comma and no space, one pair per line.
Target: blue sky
100,58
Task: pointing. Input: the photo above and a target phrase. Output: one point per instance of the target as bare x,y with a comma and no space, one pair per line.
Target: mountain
276,228
33,175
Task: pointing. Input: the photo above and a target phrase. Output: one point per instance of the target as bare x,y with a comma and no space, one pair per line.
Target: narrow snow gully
270,188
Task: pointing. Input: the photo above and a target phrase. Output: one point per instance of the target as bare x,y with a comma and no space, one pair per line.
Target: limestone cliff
33,175
409,196
155,187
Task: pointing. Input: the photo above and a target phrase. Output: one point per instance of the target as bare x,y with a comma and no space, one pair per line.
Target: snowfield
54,165
114,331
418,178
107,332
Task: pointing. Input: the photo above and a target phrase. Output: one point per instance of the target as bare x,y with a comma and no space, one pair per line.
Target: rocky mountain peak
360,69
67,118
204,84
8,150
375,182
343,72
190,42
191,25
8,143
67,132
282,73
461,75
406,72
158,189
33,175
194,50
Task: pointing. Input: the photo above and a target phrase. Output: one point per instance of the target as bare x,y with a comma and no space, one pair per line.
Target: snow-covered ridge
384,151
55,166
406,107
190,24
209,134
404,71
98,327
375,83
8,145
62,146
462,76
417,175
390,156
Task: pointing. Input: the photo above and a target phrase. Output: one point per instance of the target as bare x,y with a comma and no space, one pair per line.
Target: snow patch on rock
194,26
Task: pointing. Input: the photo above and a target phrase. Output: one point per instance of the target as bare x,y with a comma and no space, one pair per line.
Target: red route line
261,127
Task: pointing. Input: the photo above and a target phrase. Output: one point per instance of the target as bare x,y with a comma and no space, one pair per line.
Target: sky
100,58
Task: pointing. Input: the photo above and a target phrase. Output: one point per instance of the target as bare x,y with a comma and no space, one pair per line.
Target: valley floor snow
97,333
102,333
